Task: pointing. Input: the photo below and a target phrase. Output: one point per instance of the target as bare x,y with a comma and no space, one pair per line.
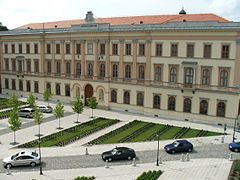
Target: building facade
186,68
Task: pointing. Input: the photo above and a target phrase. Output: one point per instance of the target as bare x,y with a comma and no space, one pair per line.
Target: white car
22,158
45,109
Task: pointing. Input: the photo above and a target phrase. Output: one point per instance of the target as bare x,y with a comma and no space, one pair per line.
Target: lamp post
40,158
158,136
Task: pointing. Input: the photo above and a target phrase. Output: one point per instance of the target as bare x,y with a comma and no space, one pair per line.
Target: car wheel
33,164
235,150
129,157
172,151
189,150
109,159
27,116
8,166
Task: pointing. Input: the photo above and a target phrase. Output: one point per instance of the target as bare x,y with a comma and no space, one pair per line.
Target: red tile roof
155,19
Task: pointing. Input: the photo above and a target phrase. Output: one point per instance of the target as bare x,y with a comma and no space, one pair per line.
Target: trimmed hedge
150,175
84,178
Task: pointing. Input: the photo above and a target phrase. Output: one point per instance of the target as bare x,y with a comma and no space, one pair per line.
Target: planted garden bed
153,175
137,131
72,134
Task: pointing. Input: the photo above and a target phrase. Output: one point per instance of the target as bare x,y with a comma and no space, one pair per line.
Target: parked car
234,146
22,158
179,146
119,153
26,112
45,109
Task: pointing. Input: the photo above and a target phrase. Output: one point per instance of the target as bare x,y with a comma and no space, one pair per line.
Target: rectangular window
28,48
114,49
28,66
5,48
6,64
102,49
141,49
58,49
158,49
58,67
174,50
48,48
190,50
13,48
20,48
6,84
35,48
13,84
36,66
20,66
20,83
207,51
67,48
225,51
36,88
49,66
13,65
28,86
128,49
78,48
90,48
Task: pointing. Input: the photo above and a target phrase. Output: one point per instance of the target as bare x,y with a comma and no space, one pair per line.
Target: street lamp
39,149
158,136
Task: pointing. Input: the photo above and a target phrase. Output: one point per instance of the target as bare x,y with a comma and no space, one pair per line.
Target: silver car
22,158
45,109
26,112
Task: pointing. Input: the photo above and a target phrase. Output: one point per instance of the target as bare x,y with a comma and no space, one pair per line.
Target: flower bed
72,134
153,175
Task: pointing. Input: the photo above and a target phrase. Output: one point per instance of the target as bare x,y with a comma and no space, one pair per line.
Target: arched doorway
88,92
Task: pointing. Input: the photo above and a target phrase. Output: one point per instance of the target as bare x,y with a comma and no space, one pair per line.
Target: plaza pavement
198,168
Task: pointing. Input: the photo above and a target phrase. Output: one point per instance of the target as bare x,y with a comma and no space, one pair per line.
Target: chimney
89,17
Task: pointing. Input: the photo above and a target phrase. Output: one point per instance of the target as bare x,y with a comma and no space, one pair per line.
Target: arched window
187,105
223,78
203,107
101,95
58,67
115,70
221,108
78,69
206,77
171,103
188,76
114,96
77,92
58,89
67,90
48,86
141,72
127,71
173,74
140,99
158,73
68,68
102,70
156,101
90,69
126,97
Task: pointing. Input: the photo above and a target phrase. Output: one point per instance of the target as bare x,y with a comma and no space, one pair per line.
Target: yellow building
183,66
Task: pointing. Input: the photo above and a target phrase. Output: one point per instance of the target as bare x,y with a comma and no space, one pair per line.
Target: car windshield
175,143
35,154
14,156
114,151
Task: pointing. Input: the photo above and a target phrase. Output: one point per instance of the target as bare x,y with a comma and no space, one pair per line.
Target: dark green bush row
53,136
4,104
84,178
4,114
100,139
150,175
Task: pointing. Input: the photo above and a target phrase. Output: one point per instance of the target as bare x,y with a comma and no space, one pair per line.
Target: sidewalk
197,169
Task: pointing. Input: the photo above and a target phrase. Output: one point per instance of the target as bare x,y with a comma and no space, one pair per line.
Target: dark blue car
234,146
179,146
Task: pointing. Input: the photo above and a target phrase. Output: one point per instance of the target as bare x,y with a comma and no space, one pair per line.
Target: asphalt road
88,161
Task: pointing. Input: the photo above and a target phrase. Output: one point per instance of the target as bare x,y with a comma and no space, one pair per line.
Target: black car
119,153
179,146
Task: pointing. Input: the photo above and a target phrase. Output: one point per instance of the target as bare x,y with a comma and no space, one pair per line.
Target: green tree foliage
77,107
3,28
92,103
14,122
31,100
38,117
47,95
59,112
13,101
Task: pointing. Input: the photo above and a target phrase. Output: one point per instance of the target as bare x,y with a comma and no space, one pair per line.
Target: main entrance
88,92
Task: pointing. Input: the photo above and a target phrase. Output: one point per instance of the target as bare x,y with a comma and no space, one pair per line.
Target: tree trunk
14,137
77,117
92,113
39,129
59,123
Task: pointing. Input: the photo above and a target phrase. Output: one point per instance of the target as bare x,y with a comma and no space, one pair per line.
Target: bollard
86,152
187,157
222,139
160,160
134,162
106,164
8,170
230,157
182,158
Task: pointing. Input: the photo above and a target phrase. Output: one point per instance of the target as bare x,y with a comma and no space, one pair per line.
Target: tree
38,117
47,95
14,122
77,107
31,100
59,112
3,28
92,103
13,101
